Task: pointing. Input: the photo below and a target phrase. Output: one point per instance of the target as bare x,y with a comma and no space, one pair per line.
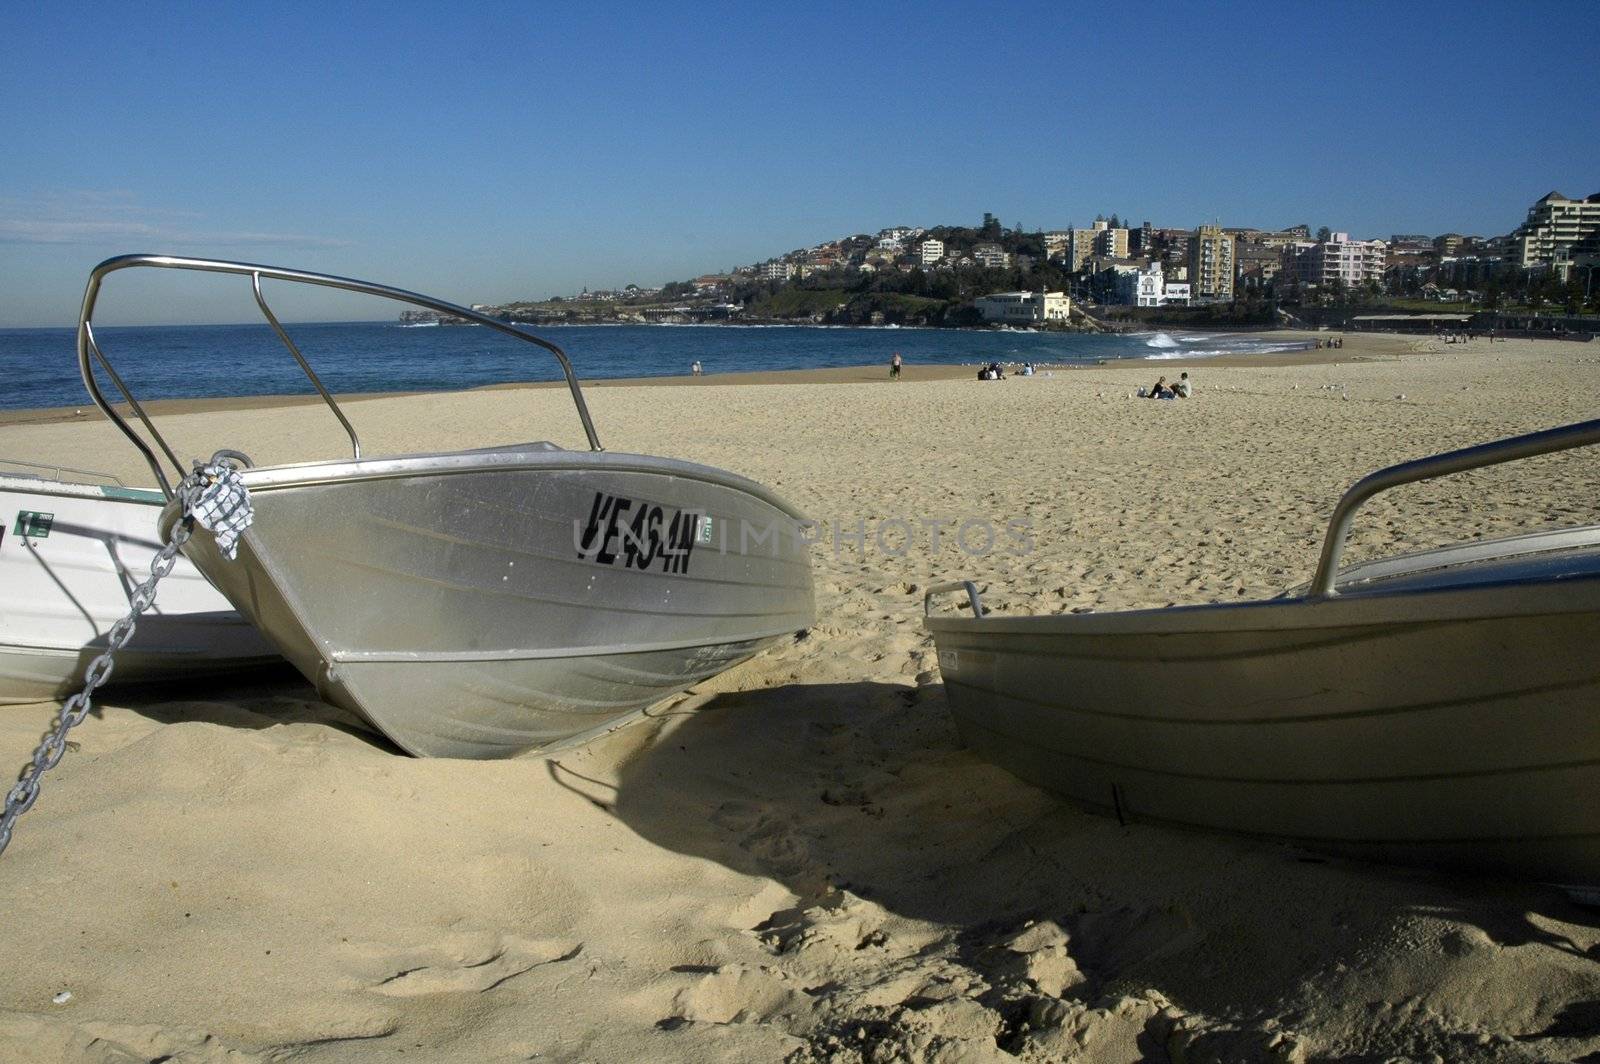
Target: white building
1150,286
776,270
1554,227
931,251
1024,308
1353,262
1146,286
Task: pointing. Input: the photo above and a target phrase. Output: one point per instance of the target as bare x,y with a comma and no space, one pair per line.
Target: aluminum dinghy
1439,708
71,553
483,603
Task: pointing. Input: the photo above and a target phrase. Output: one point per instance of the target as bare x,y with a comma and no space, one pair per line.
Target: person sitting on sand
1182,389
1157,388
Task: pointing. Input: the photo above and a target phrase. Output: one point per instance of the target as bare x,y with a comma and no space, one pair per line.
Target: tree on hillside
1324,234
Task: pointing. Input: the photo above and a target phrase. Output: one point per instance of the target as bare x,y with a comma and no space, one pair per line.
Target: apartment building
1339,258
1554,227
930,252
776,270
1211,265
1099,240
991,256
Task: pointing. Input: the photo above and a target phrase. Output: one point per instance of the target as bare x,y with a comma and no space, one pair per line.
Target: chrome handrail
89,348
1581,434
954,585
60,469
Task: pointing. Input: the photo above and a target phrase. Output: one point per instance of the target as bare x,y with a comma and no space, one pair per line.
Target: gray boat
483,603
1440,708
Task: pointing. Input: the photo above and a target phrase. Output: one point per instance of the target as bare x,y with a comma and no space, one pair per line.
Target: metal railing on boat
90,353
1513,449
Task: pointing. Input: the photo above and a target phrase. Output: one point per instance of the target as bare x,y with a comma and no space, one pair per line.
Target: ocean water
38,367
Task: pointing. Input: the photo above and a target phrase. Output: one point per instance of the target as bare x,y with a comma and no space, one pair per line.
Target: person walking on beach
894,367
695,368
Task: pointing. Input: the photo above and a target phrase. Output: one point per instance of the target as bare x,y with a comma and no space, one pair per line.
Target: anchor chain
214,492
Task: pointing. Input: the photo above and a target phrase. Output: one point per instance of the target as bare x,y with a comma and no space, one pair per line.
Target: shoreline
1362,349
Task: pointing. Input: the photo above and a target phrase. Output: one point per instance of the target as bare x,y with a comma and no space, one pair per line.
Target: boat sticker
705,529
636,534
33,525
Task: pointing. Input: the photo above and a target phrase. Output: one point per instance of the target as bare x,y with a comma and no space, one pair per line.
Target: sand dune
797,860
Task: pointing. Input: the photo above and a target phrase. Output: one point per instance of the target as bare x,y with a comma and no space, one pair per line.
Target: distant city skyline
517,152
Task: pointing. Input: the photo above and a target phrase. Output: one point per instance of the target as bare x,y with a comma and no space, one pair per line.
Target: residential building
1472,271
1024,308
776,270
1146,285
991,256
1255,265
930,252
1211,265
1101,239
1139,286
1141,240
1449,244
1555,225
1337,259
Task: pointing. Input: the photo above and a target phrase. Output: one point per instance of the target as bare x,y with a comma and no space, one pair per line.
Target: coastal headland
798,860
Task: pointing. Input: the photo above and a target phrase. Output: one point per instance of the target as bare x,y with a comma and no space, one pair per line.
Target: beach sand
798,860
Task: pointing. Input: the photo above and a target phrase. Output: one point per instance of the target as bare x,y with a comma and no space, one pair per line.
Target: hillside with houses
1113,274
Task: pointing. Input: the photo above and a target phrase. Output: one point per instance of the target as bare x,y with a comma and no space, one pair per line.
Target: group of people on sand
1337,341
996,372
1178,389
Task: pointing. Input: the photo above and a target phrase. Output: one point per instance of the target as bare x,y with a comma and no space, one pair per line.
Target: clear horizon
518,154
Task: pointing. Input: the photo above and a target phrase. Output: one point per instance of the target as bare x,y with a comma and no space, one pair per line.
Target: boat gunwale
511,458
75,489
1408,606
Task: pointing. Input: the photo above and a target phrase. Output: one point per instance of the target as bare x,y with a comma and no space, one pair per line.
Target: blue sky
487,152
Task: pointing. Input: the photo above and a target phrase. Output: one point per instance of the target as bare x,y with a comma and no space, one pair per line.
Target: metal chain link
54,745
191,493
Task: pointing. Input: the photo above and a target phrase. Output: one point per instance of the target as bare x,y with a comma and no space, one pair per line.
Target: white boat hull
67,575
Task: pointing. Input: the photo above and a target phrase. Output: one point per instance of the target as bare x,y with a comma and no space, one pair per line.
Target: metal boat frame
90,354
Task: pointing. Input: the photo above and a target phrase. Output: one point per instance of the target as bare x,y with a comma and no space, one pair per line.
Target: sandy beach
798,860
